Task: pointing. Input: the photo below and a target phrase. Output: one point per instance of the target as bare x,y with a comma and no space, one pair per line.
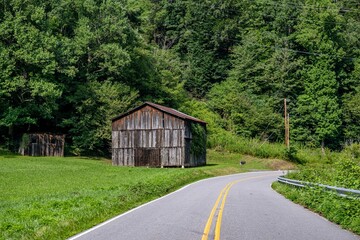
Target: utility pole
287,126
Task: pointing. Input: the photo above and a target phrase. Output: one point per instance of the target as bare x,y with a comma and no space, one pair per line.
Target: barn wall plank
172,156
44,144
165,156
114,143
132,157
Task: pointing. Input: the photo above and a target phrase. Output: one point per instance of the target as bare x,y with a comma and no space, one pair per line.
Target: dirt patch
278,164
267,163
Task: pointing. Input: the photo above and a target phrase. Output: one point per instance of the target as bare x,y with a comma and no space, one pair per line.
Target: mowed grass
55,198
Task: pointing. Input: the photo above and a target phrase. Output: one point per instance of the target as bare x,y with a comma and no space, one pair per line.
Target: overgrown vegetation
198,139
54,198
343,211
337,169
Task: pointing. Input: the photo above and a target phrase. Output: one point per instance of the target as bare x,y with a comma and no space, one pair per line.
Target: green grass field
55,198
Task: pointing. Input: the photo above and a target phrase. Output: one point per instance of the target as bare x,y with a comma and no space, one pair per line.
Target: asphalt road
241,206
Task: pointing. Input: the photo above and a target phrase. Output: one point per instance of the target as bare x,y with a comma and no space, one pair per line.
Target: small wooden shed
42,144
157,136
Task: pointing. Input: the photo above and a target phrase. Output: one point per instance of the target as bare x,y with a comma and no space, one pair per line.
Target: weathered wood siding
148,137
42,144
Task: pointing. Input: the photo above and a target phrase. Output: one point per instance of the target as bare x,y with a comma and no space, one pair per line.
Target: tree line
69,66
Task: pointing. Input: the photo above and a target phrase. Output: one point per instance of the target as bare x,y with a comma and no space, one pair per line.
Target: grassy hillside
54,198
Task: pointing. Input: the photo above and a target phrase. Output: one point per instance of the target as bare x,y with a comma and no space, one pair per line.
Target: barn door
147,157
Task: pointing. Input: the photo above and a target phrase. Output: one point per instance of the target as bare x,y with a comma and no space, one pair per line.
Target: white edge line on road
145,204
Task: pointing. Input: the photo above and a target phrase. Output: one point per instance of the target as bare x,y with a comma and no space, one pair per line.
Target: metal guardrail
344,192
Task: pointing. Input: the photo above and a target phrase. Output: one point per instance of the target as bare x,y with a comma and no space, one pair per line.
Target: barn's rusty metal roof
168,110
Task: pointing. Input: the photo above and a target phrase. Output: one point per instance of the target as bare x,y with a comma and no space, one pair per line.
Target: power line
307,53
288,49
294,5
309,6
343,9
309,20
299,51
311,53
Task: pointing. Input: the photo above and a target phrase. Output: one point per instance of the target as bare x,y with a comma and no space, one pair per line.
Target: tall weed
337,169
343,211
226,141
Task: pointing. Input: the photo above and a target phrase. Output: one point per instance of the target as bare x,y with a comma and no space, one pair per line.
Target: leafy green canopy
305,51
70,66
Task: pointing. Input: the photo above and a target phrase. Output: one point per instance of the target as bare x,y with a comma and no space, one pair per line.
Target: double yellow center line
221,198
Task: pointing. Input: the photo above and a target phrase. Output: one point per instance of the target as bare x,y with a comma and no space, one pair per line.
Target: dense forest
69,66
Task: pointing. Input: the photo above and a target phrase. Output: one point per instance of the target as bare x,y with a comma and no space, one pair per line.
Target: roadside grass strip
221,200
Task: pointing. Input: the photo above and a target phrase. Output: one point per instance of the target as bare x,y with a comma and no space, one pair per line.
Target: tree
351,113
319,34
201,33
318,116
28,88
53,54
352,117
245,114
90,122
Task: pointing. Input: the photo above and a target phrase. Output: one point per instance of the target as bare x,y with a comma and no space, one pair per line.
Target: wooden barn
42,144
157,136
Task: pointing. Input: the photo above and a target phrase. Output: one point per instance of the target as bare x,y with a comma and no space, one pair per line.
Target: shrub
291,154
348,173
353,150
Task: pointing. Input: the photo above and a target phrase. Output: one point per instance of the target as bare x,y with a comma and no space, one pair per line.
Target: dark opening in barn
157,136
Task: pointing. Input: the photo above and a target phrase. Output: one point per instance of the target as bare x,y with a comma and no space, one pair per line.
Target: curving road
240,206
